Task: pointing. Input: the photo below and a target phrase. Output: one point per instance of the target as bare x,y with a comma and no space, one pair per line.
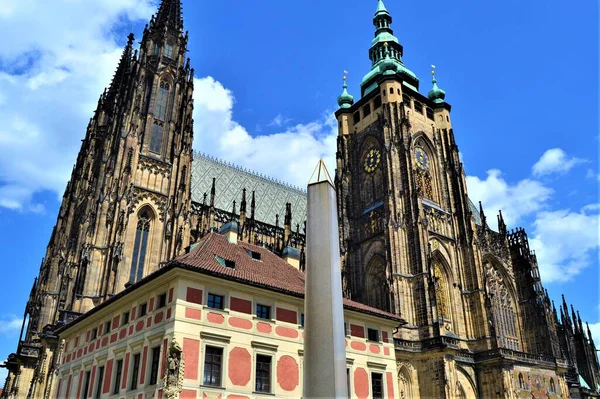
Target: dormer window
254,255
225,262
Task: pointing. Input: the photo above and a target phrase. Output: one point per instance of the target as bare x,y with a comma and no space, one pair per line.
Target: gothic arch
372,185
405,384
503,304
426,171
376,284
465,388
141,243
442,278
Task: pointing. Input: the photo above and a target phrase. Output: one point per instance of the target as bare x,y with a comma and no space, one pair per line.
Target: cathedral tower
127,205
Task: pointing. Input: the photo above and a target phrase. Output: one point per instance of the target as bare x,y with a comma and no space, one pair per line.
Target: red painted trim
286,332
240,305
358,346
384,336
158,317
289,316
215,318
164,358
168,313
240,323
193,313
60,385
93,378
389,379
170,300
80,384
69,385
191,353
107,376
194,295
144,358
115,322
151,305
149,322
357,331
374,349
132,314
125,370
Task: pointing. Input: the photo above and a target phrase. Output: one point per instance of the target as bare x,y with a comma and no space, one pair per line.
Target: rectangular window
143,309
348,386
366,110
107,327
372,334
99,386
135,372
429,113
156,139
263,373
418,107
161,301
86,385
212,366
406,100
356,117
302,319
215,301
169,50
94,334
154,365
125,318
377,385
377,102
118,373
263,312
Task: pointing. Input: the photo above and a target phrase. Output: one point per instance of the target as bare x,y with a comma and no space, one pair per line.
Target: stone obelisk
324,343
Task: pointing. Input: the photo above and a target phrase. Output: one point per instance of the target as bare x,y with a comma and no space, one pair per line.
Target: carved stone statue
175,369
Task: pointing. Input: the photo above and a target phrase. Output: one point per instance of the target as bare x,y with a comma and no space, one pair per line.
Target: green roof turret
436,94
386,54
345,100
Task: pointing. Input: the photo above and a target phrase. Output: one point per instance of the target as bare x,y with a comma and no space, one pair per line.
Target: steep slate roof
270,272
271,195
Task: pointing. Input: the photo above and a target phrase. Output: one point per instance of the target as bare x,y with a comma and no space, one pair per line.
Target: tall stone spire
121,75
169,16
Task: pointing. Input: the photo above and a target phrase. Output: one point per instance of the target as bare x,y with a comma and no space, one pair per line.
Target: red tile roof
271,272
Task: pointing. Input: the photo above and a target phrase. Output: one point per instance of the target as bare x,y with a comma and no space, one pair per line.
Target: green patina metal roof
436,94
386,61
345,100
271,195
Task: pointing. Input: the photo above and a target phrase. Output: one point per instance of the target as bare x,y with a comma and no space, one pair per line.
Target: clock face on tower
421,158
372,160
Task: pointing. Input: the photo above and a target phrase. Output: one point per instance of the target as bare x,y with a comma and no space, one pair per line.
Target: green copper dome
436,94
386,54
345,100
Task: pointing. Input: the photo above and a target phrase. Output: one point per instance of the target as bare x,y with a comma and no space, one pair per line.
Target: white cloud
10,325
554,161
279,121
59,58
515,200
290,155
565,241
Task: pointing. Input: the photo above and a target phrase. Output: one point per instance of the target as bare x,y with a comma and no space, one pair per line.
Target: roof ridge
269,179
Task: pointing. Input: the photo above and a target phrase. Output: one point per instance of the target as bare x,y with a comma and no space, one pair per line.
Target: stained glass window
161,102
156,138
140,247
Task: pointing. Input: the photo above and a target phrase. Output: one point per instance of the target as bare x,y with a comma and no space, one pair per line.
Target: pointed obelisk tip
320,174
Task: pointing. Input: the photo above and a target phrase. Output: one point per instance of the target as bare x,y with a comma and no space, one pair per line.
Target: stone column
324,345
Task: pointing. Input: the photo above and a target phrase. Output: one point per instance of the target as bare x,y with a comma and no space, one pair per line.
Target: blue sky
521,77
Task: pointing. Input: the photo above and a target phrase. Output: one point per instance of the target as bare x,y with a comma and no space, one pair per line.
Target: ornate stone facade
478,320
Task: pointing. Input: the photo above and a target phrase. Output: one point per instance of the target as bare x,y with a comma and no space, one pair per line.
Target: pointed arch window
156,138
503,310
80,280
161,101
140,247
376,284
441,292
169,51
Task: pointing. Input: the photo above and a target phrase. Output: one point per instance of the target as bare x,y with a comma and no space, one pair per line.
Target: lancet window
162,99
441,292
140,247
376,284
156,138
503,310
80,280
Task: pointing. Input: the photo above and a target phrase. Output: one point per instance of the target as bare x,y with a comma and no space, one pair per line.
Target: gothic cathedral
477,320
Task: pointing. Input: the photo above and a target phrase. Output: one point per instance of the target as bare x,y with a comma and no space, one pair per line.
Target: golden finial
345,73
385,44
433,71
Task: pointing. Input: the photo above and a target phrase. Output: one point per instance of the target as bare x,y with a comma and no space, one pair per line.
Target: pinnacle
169,15
320,174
